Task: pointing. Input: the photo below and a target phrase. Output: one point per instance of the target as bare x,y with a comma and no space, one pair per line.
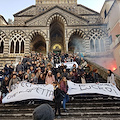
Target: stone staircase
82,107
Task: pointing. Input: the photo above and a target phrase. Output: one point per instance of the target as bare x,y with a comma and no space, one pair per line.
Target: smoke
100,56
79,45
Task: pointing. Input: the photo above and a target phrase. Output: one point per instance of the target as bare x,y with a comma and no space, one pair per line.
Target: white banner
101,88
25,91
68,64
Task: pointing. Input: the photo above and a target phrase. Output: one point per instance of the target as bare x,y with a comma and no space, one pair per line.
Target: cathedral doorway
57,31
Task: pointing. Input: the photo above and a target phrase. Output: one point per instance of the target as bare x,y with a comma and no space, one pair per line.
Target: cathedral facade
57,26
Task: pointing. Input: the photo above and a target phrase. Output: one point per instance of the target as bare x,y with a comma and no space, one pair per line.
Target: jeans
65,100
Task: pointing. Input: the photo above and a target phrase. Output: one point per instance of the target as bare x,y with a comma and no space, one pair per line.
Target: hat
43,112
49,71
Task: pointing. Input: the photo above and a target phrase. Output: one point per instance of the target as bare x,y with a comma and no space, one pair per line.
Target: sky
9,7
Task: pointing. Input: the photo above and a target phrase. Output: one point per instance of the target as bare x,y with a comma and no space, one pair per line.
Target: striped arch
35,32
78,31
76,41
37,41
58,17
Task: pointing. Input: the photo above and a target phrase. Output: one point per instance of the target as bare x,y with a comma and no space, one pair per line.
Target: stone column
67,41
47,47
27,46
6,47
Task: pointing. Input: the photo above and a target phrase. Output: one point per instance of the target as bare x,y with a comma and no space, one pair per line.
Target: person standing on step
57,98
64,88
111,77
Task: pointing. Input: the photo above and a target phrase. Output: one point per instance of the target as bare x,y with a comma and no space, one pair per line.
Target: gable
85,11
71,18
26,12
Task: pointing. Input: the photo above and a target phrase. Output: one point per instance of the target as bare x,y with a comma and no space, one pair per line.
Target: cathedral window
97,46
2,39
102,45
22,46
92,45
12,47
97,43
17,47
17,43
1,47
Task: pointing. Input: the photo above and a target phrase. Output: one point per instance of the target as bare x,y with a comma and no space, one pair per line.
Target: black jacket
4,86
57,95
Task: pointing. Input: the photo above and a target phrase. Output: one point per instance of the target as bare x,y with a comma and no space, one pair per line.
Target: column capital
67,39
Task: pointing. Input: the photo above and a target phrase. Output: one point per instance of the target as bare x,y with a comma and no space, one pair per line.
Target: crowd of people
39,69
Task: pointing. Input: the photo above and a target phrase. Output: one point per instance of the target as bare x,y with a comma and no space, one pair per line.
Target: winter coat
57,95
7,70
4,86
111,79
50,80
19,68
35,80
41,81
13,81
64,86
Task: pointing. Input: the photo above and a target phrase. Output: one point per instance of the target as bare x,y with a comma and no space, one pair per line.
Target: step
72,118
77,114
71,110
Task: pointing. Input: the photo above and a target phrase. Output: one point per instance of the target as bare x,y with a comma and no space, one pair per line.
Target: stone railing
103,72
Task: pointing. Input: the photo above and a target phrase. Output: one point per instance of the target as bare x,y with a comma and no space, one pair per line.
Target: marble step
71,110
80,114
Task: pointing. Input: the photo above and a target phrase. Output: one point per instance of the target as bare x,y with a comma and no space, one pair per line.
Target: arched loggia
76,42
38,44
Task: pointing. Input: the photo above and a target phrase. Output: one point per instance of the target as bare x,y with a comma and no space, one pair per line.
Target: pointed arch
76,41
33,33
38,41
78,31
58,17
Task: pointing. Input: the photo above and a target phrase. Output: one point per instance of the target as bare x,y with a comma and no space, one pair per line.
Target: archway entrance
38,44
76,43
57,36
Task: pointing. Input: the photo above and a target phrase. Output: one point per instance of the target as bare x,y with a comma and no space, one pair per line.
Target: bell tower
43,5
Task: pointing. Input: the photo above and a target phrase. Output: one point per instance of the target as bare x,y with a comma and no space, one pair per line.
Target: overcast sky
10,7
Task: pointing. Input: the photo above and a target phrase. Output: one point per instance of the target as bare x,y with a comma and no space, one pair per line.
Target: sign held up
25,91
101,88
